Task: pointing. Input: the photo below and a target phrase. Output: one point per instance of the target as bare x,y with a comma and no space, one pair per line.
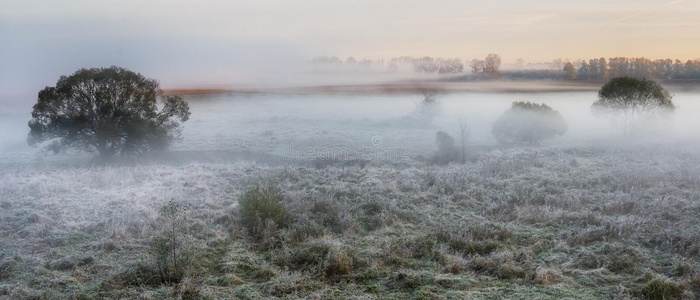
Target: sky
255,41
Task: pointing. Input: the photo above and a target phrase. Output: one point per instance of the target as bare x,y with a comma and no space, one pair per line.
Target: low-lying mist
309,126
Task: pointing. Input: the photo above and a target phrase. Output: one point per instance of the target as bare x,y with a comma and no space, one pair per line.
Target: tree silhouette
106,111
634,100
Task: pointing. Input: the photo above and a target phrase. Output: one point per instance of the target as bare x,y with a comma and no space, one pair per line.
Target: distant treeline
640,67
558,69
425,64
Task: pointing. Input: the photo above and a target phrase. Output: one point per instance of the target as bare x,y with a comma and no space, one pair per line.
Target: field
363,214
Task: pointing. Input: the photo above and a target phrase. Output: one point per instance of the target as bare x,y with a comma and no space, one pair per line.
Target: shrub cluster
447,150
262,209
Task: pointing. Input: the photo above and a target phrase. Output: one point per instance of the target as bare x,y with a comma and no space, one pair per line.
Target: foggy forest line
492,67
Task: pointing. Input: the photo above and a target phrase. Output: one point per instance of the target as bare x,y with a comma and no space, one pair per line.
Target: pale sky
182,42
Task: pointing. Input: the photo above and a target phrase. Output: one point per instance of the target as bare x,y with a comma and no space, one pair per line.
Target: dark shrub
140,274
447,150
6,268
327,215
262,206
339,263
661,289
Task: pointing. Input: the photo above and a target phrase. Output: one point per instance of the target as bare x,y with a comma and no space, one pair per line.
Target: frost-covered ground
582,217
549,223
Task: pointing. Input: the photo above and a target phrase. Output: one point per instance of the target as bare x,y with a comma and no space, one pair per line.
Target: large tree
635,101
106,111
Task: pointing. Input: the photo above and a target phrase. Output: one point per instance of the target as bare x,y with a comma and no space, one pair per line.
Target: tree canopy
106,111
636,100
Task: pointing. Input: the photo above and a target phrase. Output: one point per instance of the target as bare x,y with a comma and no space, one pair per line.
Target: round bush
528,123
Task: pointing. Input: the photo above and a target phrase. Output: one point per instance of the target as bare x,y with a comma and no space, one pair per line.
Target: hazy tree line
490,67
639,67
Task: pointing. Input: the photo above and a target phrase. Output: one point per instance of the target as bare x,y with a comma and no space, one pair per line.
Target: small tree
430,96
635,101
169,248
528,123
107,111
429,108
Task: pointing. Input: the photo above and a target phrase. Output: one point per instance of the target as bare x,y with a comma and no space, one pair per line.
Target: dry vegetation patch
537,223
